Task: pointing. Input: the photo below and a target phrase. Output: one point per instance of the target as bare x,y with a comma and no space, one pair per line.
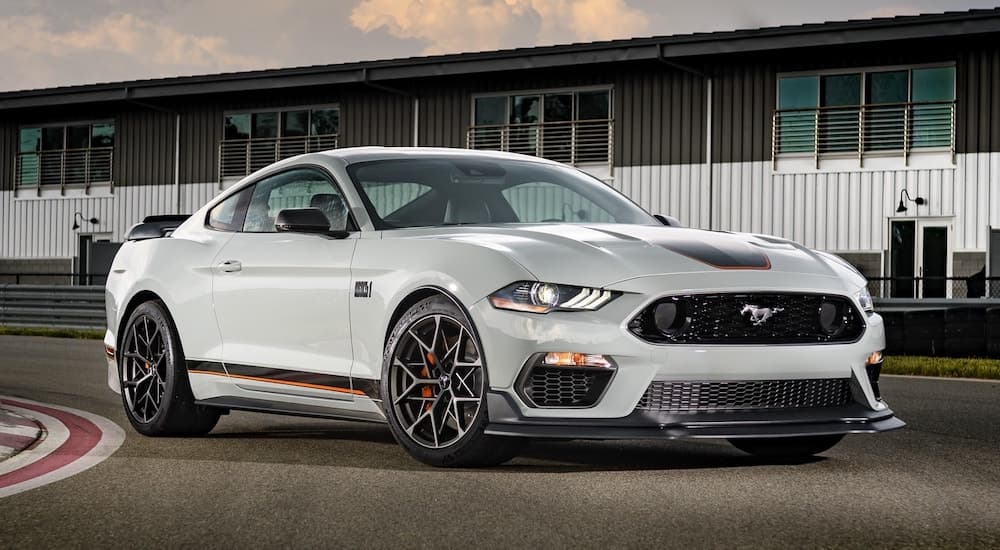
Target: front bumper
510,339
505,420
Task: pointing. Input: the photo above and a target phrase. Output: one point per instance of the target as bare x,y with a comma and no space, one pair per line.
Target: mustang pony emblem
759,315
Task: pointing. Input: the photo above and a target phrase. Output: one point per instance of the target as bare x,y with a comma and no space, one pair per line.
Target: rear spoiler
155,227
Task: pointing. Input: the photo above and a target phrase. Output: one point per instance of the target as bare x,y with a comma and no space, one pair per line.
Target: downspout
708,125
416,121
708,153
177,162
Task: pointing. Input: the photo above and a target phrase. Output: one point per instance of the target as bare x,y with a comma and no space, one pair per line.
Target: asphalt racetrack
280,482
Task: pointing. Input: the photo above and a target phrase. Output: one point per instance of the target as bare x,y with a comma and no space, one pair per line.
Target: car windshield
437,191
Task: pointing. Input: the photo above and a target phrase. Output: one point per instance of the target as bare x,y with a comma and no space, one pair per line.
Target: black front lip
505,420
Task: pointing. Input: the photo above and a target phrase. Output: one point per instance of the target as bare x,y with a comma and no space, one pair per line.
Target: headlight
865,299
538,297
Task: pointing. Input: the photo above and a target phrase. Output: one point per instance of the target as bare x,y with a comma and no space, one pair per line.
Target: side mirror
668,221
305,220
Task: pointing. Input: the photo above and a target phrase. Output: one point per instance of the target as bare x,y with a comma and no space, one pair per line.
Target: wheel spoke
464,381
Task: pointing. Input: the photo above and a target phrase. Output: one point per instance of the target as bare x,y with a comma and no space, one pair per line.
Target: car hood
604,254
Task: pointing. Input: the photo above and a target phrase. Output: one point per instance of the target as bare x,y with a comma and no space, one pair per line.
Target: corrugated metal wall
144,154
659,146
743,98
42,228
8,149
373,117
660,116
679,190
444,116
201,131
839,211
978,85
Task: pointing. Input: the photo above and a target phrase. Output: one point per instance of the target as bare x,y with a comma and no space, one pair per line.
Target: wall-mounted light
902,205
78,217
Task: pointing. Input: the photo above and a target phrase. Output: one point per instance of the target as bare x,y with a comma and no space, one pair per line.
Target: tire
787,448
156,393
432,374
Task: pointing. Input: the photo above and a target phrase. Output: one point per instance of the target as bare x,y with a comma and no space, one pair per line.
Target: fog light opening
670,317
573,359
873,367
832,317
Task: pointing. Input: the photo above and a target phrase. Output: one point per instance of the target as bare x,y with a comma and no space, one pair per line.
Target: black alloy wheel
155,389
434,386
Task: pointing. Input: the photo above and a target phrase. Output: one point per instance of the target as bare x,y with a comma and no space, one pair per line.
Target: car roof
352,155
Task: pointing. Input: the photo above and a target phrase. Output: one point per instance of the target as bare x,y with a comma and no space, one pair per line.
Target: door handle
230,266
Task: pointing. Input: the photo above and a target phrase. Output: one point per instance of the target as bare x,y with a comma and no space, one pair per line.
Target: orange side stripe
285,382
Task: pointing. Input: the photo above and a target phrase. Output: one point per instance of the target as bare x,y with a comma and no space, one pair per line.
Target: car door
281,299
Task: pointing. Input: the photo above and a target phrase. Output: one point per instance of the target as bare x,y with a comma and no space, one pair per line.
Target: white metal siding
839,211
42,228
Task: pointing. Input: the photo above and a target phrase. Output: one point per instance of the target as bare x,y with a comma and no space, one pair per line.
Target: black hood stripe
724,255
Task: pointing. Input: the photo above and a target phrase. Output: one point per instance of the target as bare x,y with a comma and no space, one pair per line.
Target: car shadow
574,456
356,445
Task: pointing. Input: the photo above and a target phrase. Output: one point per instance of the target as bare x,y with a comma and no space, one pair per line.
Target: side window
228,214
547,202
302,188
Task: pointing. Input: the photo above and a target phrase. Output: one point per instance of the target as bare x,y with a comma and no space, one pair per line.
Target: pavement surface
266,482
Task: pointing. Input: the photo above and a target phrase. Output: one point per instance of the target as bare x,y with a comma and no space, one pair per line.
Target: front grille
564,387
751,318
696,397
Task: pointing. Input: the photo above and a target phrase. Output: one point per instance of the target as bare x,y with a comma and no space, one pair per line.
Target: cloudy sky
47,43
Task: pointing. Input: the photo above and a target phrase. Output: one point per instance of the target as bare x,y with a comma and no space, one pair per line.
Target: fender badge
362,289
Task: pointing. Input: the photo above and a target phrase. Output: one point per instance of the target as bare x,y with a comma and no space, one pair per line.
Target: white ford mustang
473,300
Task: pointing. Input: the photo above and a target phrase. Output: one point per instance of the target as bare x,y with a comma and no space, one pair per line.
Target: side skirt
291,409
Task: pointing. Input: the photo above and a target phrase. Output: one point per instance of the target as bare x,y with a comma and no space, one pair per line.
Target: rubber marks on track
17,433
72,441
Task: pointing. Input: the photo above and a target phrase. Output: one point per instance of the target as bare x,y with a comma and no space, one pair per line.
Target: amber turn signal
570,359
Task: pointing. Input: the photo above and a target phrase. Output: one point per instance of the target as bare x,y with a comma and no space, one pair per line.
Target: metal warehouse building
818,133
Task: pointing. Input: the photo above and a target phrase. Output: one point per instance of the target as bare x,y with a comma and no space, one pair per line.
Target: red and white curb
72,441
17,433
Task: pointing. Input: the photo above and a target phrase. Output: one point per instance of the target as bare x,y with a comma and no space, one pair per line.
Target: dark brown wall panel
201,130
144,147
8,149
743,98
659,116
978,92
444,116
374,117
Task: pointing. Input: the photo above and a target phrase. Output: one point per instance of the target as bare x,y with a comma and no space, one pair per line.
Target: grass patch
80,334
943,366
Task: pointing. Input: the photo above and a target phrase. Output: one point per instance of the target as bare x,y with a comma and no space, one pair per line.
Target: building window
855,113
64,155
573,126
253,140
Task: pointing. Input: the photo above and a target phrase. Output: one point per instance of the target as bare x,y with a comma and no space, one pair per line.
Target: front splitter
506,420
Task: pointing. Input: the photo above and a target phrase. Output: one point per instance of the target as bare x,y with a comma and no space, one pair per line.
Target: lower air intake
564,387
698,397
